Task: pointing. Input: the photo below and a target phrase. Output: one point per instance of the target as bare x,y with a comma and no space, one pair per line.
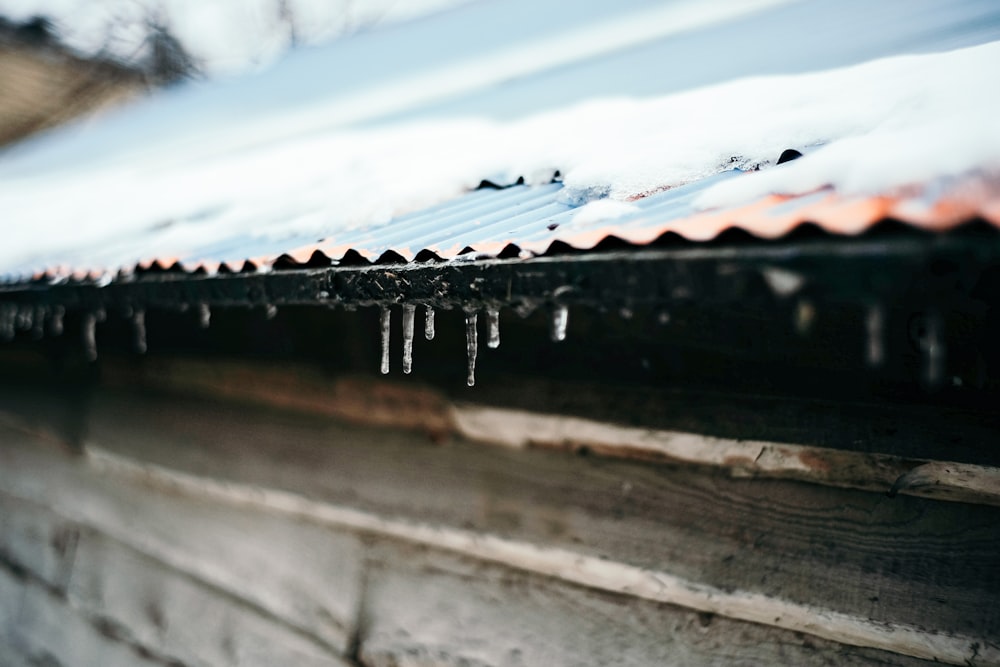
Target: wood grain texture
568,566
39,628
924,430
166,616
427,608
178,614
413,605
380,402
961,482
905,561
299,575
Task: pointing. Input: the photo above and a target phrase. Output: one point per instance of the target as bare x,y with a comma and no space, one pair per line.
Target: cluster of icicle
560,318
38,318
33,318
42,319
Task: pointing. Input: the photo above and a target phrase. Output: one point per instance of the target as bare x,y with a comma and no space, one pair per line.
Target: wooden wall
197,532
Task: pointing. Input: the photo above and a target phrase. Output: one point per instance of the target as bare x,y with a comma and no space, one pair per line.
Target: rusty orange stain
814,461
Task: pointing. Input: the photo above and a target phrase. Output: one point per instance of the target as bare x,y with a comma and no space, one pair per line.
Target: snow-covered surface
223,36
194,176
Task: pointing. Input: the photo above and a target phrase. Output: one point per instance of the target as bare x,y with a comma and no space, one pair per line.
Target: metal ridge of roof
525,221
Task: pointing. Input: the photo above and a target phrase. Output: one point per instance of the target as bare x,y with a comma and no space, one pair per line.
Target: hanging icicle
409,311
933,347
270,311
493,322
471,344
385,320
38,328
409,314
875,335
429,323
804,316
560,318
139,324
205,315
56,322
24,317
7,315
90,336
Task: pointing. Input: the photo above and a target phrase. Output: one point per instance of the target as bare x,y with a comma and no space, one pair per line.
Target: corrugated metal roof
527,220
246,119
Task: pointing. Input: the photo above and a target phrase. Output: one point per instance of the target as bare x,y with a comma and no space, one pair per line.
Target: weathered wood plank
159,607
961,482
265,562
903,561
168,612
426,608
917,431
495,613
38,628
816,549
384,403
42,548
575,567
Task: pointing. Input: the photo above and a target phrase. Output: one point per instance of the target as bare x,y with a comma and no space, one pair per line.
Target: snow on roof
215,182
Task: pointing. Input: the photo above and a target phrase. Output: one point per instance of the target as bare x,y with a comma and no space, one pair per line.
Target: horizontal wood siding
131,573
302,536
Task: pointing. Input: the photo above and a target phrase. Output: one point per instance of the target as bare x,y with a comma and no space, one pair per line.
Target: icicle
205,315
24,317
934,349
471,345
270,311
139,322
100,315
38,329
7,314
90,336
56,323
560,317
805,316
12,322
408,313
385,320
429,323
875,328
493,319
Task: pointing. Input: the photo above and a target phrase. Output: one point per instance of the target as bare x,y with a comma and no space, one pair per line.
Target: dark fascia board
880,267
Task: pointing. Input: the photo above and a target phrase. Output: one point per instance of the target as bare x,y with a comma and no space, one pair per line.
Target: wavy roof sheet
521,221
220,177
